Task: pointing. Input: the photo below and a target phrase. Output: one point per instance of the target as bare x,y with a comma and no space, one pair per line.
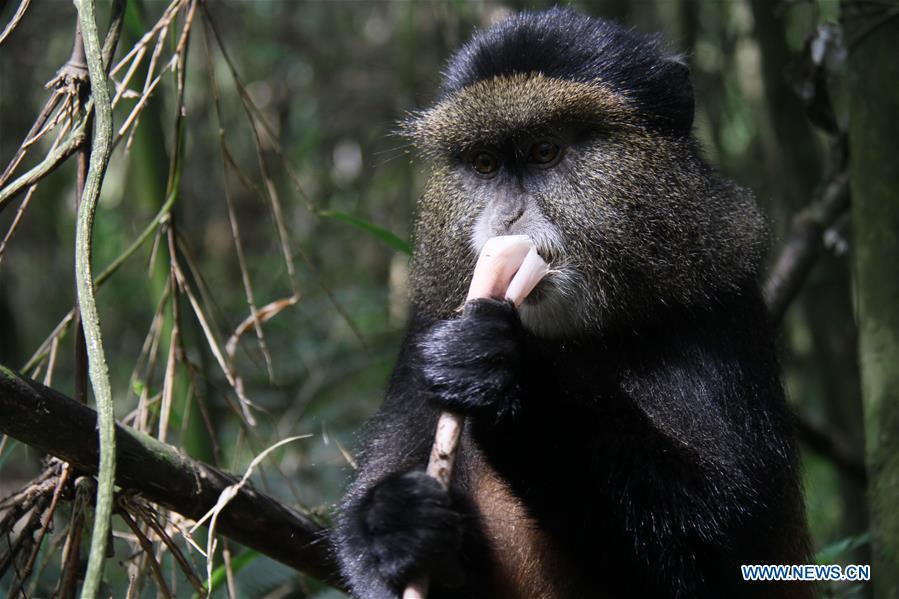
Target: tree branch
798,256
53,423
804,245
833,445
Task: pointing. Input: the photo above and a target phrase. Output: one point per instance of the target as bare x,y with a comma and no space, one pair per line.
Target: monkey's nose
510,220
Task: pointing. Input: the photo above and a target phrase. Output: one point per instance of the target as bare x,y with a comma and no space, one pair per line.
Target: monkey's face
630,220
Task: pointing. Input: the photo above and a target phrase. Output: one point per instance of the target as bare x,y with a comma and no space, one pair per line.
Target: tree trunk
873,78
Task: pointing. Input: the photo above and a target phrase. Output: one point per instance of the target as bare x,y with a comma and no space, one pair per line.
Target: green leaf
388,237
8,450
238,563
829,554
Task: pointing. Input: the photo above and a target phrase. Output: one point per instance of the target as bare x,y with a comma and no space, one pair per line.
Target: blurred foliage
332,79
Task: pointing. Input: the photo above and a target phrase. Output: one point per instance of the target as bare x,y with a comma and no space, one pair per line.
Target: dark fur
641,448
562,44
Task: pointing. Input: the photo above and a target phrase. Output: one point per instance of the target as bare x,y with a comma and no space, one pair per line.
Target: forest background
252,235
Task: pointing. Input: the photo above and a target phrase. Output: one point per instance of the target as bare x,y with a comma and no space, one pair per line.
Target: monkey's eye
544,152
485,163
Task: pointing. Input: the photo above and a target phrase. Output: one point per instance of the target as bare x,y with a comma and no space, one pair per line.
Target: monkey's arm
712,481
396,522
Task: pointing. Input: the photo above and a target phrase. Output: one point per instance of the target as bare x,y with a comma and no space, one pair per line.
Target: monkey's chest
524,562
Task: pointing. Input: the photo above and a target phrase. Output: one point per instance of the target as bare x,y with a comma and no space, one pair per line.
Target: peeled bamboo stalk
508,266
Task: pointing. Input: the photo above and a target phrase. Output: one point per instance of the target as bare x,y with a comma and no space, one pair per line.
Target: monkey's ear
672,105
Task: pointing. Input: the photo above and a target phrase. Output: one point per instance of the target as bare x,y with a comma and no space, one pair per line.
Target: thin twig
65,86
175,62
271,192
23,205
45,166
146,363
26,533
33,134
72,549
226,496
147,546
14,22
149,517
144,41
104,276
235,227
20,212
262,315
83,165
213,344
113,32
46,523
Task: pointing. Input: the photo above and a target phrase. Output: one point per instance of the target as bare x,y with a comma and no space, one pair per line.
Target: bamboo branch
73,71
84,278
53,423
47,165
32,136
82,164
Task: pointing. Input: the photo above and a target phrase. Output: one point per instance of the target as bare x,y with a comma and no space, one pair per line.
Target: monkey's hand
473,365
406,526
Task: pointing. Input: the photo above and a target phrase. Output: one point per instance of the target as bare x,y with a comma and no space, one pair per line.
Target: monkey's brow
495,110
563,131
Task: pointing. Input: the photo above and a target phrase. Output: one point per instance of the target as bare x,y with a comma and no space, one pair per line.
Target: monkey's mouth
550,284
544,289
562,285
539,293
551,309
549,255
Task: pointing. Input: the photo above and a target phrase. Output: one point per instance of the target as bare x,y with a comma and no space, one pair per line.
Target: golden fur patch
525,564
491,110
